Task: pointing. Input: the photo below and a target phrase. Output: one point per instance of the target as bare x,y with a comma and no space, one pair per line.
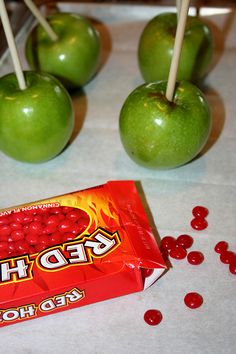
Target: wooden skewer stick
43,22
12,46
178,7
177,50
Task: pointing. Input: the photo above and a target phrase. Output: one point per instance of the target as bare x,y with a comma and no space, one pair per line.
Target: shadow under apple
218,44
79,101
220,36
217,109
105,40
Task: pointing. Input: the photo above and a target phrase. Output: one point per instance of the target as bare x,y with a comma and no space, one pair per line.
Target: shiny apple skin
35,123
73,58
160,134
155,49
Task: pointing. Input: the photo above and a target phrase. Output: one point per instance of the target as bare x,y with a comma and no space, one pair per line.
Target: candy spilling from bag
75,249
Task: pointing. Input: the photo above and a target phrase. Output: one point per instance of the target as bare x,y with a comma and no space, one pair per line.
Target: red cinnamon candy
75,249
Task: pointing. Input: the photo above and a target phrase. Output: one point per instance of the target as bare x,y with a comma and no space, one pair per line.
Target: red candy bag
75,249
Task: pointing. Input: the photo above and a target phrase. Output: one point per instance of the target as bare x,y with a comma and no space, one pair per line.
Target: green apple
156,45
157,133
35,123
74,57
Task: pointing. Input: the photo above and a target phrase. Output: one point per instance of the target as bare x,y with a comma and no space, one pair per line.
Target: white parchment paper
96,155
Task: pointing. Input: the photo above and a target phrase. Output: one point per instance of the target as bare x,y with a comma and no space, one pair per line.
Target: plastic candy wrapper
73,250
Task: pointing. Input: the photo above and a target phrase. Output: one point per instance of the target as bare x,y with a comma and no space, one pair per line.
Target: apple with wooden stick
165,124
156,44
36,112
37,122
158,133
71,53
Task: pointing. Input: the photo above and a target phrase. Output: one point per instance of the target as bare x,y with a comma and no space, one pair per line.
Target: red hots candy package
73,250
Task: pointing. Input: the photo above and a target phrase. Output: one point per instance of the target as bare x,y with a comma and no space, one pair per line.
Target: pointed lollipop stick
12,46
177,49
43,22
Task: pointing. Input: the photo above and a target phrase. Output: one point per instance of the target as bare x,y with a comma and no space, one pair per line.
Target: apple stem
12,46
43,22
177,50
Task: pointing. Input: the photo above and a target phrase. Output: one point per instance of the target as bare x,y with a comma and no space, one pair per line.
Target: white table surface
95,156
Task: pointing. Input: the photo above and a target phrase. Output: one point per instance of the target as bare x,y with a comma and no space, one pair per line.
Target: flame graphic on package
102,212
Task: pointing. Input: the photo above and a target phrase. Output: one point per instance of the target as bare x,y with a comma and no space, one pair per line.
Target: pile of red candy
177,248
226,256
31,231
